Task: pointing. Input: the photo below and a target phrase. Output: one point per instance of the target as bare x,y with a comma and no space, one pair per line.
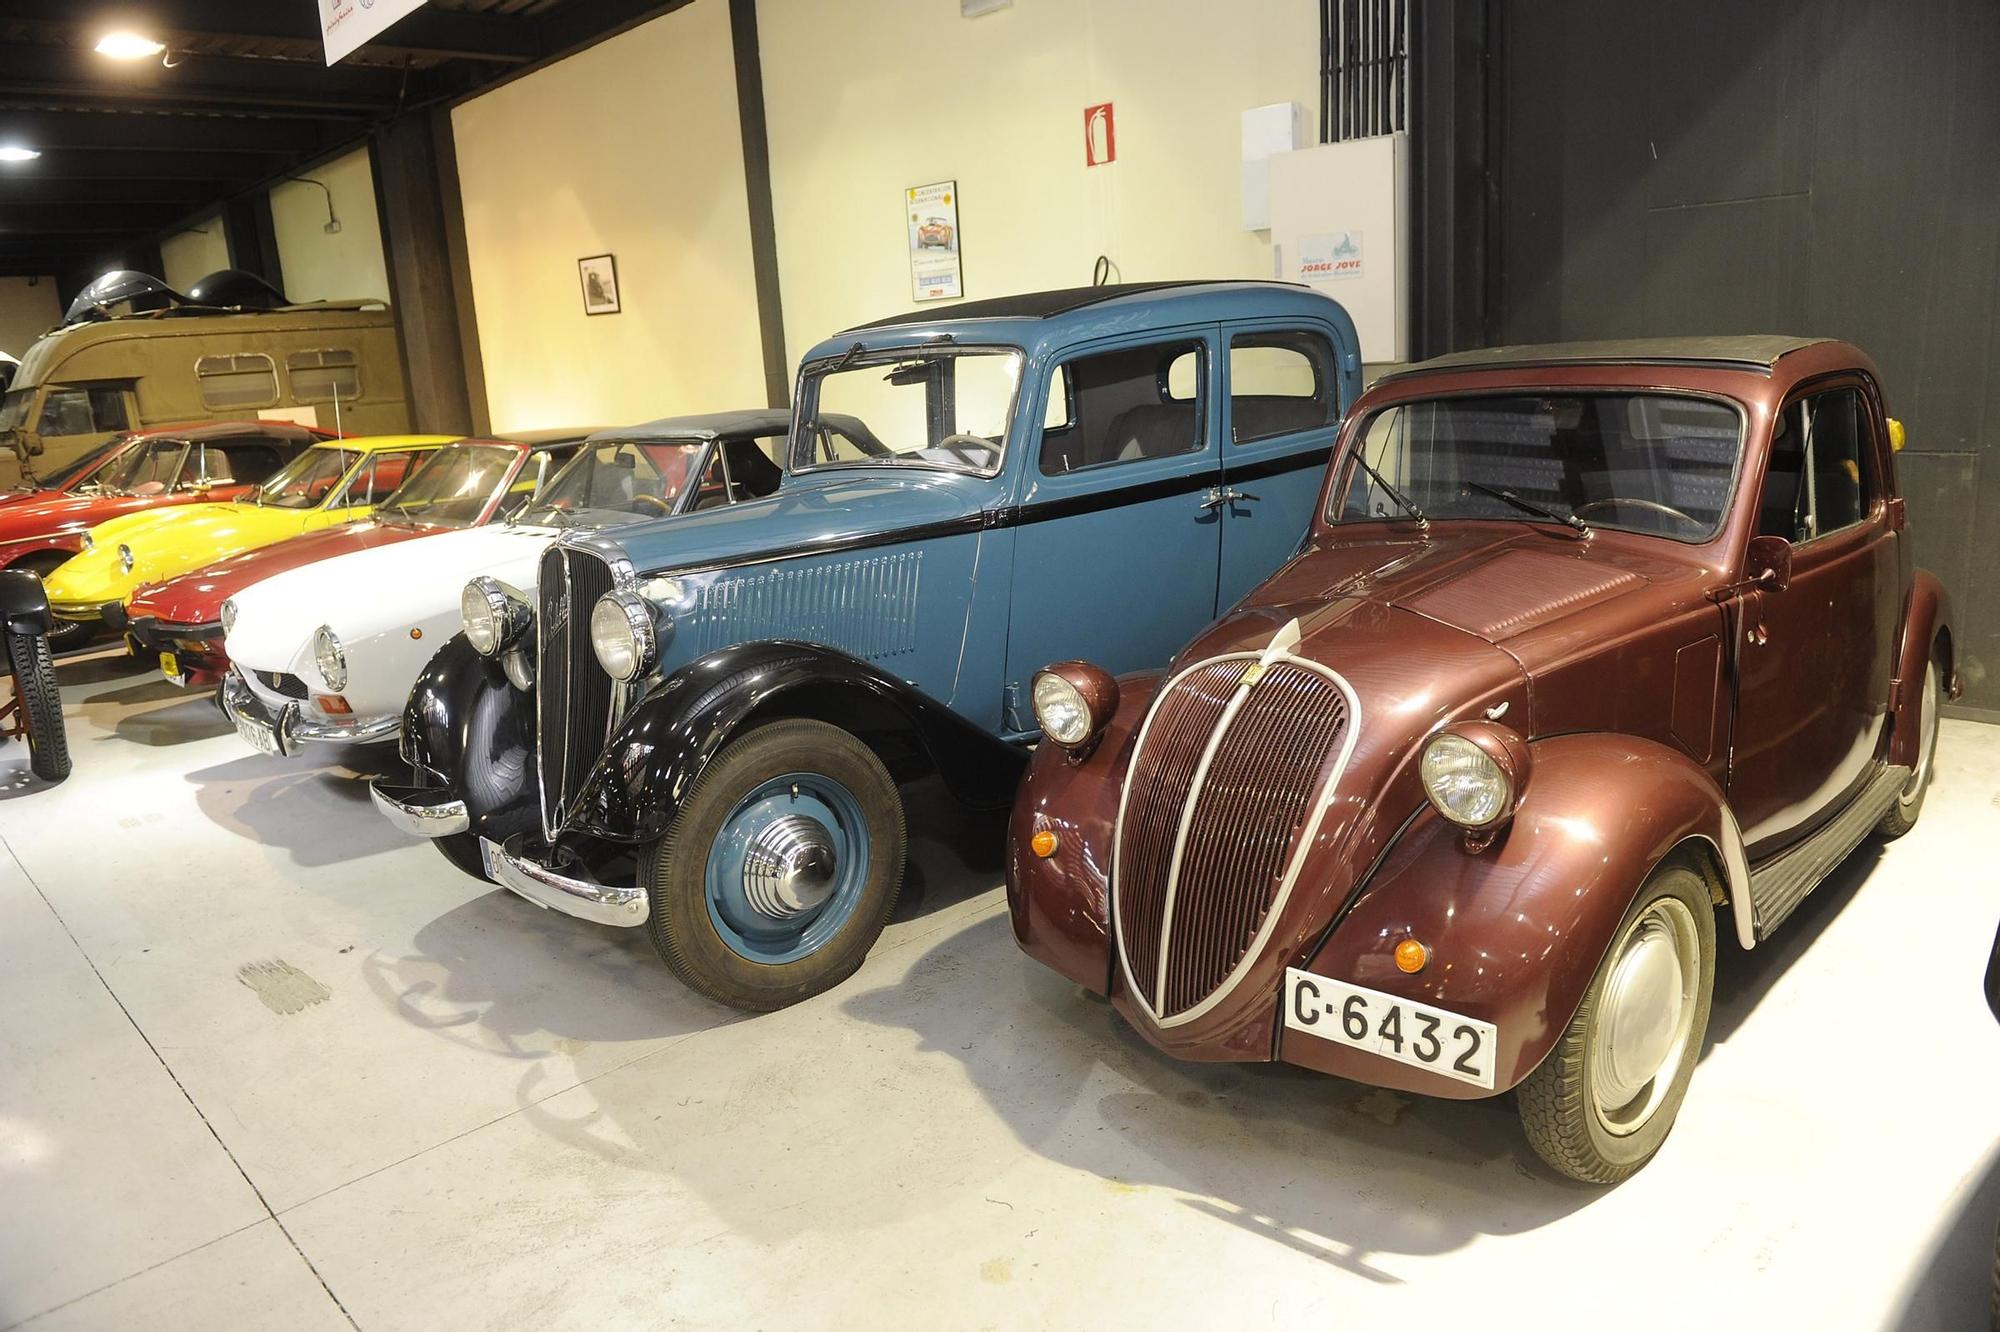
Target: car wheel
1902,815
780,868
1603,1101
41,705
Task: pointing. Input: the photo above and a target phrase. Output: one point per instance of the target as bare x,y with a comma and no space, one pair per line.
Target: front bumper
584,898
94,612
422,811
195,648
288,729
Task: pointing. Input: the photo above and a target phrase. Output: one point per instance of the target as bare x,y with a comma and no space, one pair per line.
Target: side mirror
1769,562
1896,434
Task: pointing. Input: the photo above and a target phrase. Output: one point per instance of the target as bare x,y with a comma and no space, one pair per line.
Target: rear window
328,375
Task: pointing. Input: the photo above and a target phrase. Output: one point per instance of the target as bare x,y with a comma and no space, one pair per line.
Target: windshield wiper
1571,521
1409,506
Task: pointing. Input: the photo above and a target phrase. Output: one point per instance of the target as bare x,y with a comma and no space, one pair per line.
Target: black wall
1827,167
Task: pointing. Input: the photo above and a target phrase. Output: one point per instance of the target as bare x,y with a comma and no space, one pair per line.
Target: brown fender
1925,617
1517,930
1060,905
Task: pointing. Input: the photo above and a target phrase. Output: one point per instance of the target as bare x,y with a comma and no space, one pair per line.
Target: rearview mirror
1769,561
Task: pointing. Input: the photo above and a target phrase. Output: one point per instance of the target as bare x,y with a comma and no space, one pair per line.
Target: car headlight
89,542
1074,701
494,615
332,662
624,634
1473,774
228,616
125,560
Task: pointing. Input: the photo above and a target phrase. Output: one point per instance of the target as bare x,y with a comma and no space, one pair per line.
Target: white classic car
329,651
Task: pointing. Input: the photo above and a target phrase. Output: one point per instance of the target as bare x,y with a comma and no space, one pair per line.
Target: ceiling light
15,153
128,46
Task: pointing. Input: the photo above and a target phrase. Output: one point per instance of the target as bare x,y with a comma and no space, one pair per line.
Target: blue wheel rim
753,934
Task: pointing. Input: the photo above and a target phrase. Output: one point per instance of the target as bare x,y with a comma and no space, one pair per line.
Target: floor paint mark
1382,1105
999,1271
283,987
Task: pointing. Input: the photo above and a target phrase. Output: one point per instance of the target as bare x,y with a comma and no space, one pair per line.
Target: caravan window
328,375
81,411
233,383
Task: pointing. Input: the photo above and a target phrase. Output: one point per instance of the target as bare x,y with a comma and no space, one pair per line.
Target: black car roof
1034,304
1747,350
702,425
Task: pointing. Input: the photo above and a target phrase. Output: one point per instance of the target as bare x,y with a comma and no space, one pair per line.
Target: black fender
24,605
680,724
468,729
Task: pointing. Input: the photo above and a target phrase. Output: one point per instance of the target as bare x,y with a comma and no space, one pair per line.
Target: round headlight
1074,701
494,615
125,560
622,634
228,616
1466,781
332,662
89,542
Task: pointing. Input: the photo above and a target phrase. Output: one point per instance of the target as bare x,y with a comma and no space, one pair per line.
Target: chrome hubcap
1640,1034
789,868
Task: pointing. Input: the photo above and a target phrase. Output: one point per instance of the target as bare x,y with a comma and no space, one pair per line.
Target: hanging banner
349,24
932,212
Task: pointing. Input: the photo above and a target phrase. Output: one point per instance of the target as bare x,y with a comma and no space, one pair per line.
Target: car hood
367,592
27,516
197,597
166,544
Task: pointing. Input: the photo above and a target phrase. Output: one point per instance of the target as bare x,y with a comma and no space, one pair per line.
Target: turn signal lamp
1043,843
333,705
1411,957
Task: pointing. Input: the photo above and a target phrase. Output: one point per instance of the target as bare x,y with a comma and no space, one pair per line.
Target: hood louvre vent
1517,590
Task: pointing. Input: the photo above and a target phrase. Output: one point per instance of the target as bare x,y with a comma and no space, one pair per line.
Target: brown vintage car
1594,654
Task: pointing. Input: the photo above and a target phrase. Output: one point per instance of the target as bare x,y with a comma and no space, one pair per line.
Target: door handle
1217,497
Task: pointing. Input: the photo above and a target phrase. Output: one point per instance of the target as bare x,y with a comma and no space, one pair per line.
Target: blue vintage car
699,726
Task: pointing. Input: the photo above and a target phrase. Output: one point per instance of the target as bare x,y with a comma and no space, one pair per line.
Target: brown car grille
572,692
1241,823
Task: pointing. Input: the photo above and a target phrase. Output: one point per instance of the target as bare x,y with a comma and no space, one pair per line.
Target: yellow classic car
338,481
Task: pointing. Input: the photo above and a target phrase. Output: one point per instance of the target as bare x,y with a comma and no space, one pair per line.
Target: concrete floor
499,1117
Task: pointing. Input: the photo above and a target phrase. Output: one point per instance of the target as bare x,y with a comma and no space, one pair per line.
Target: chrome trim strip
586,899
437,818
355,733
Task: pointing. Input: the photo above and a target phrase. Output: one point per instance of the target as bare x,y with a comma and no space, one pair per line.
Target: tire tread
41,705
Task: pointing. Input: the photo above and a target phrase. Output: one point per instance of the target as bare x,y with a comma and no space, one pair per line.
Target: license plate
170,667
1434,1039
256,734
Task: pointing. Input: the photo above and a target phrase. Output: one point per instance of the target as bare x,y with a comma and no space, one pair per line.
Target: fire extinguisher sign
1100,135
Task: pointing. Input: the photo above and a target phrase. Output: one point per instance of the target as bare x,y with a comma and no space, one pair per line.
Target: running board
1778,886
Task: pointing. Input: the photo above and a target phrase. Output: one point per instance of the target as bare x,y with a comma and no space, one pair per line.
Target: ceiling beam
44,129
189,191
69,76
19,218
231,170
428,34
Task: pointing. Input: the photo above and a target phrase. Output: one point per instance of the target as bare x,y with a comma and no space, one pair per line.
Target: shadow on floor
1954,1286
283,802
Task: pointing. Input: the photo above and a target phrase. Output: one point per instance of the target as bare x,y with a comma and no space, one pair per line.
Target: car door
1118,534
1815,657
1281,411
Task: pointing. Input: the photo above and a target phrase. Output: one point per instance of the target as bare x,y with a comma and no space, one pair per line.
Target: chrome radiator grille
572,692
1220,789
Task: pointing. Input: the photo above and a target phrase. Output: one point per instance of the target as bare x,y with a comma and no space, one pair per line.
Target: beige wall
26,312
192,255
868,97
347,264
630,148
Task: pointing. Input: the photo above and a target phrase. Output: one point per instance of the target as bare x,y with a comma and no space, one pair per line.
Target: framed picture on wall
599,275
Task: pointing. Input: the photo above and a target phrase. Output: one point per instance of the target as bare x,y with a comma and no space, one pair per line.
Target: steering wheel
655,501
956,446
1636,503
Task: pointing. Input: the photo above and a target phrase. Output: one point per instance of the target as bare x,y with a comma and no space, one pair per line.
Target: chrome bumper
290,729
422,811
586,899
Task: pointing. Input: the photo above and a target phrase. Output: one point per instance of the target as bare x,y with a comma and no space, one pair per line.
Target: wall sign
599,275
1328,256
932,213
348,24
1100,135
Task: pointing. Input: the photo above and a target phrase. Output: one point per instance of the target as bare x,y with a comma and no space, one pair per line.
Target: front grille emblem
1252,675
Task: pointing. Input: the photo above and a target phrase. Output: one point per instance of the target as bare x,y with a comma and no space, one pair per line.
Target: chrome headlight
1473,774
89,542
1074,701
624,635
332,662
495,615
228,616
125,560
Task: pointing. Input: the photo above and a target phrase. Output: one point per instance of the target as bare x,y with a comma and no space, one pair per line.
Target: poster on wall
932,211
347,25
1329,256
599,276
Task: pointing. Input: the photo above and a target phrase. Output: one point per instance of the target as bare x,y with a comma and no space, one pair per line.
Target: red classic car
176,465
465,484
1592,655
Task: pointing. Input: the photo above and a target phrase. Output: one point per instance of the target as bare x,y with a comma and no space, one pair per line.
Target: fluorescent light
128,46
15,153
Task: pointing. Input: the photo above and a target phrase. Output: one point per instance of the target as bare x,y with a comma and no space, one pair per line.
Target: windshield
155,464
14,408
616,482
1657,463
308,480
62,476
452,487
919,408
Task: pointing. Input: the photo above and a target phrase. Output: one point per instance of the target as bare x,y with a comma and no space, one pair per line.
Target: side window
65,412
713,491
233,383
378,479
1280,384
328,375
1820,476
753,468
246,464
1126,406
